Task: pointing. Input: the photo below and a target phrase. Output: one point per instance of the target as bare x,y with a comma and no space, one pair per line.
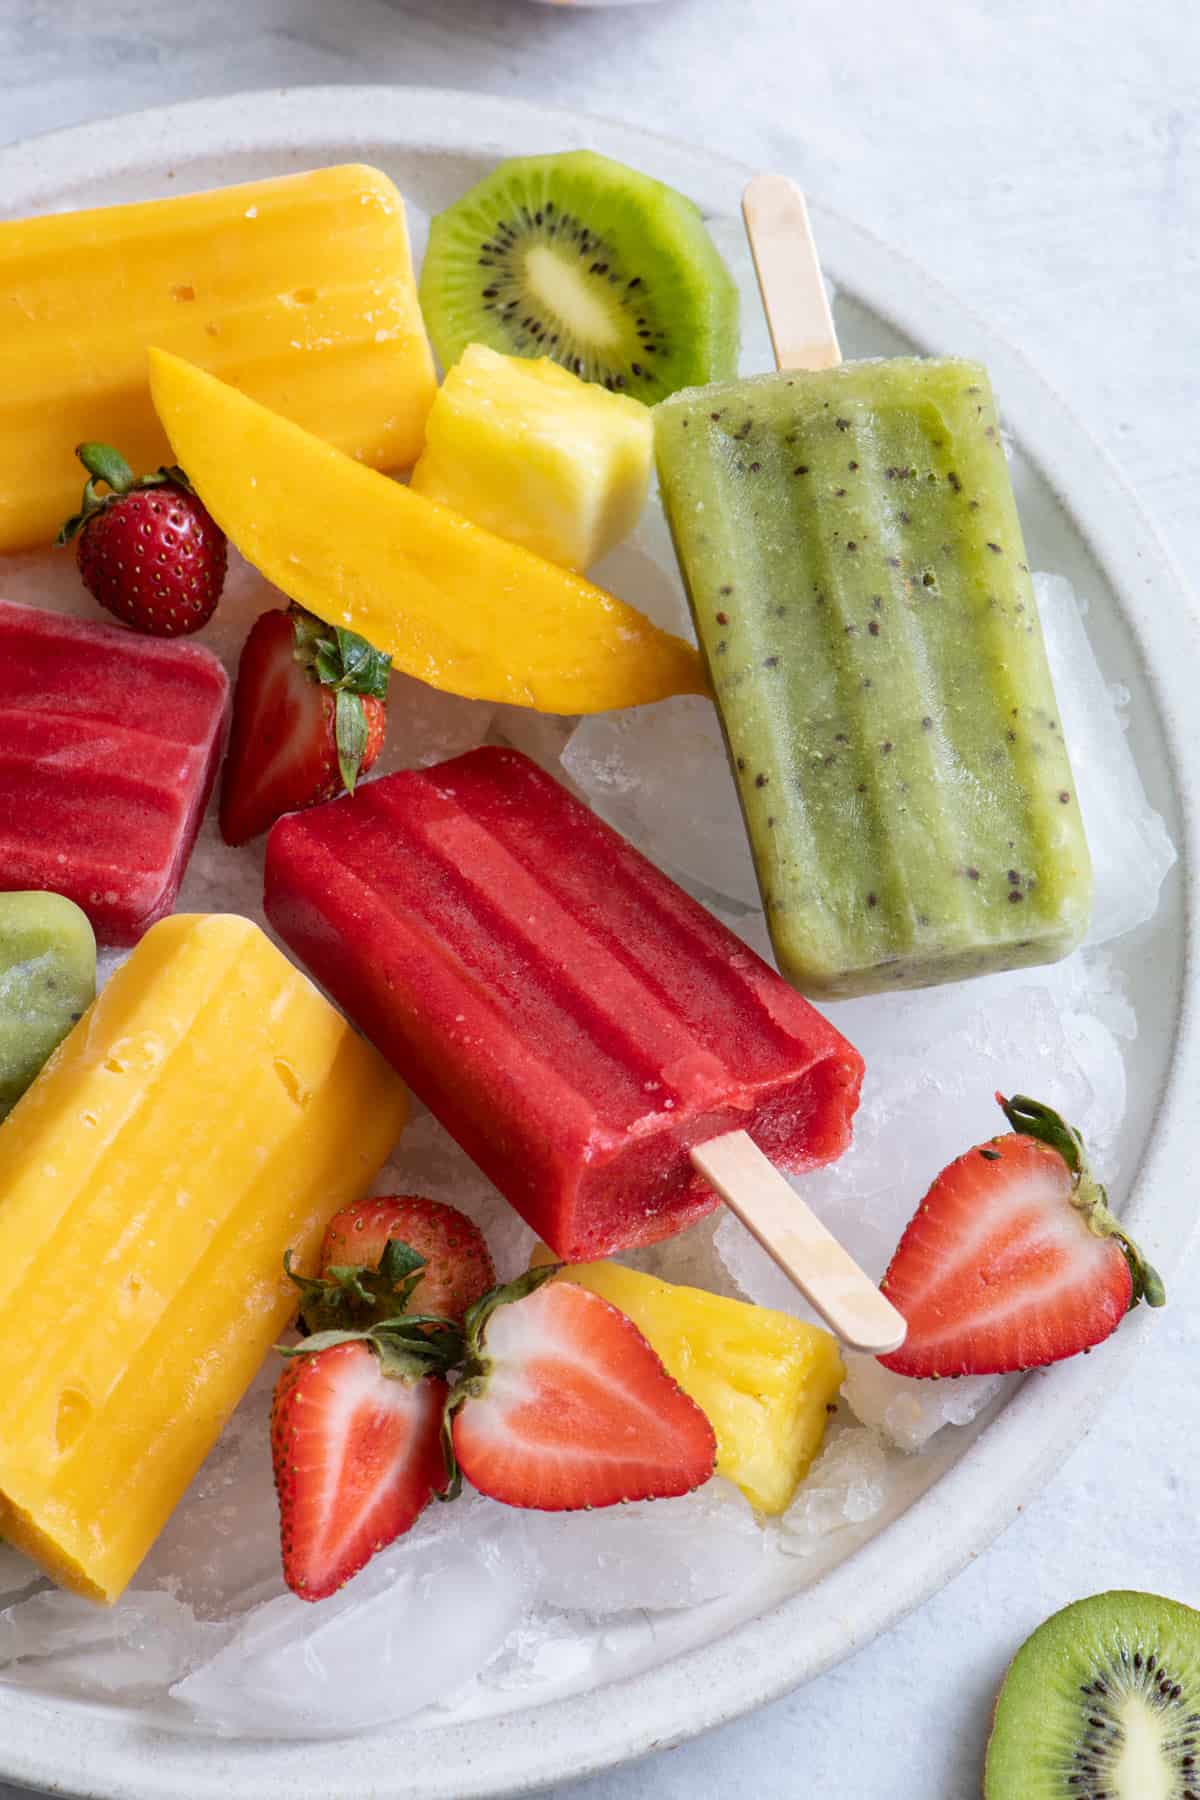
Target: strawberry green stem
103,463
353,669
1031,1118
107,467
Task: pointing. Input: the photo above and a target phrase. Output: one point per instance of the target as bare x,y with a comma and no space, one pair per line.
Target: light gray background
1042,158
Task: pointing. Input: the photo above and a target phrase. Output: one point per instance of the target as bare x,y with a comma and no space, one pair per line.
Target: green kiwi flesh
578,258
1101,1703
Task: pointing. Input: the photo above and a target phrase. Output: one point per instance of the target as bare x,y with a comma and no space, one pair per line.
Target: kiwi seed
578,258
1101,1703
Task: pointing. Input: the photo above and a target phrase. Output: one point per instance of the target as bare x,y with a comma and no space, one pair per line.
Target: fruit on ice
564,1405
449,602
211,1111
1013,1259
574,1019
534,454
851,548
765,1381
298,289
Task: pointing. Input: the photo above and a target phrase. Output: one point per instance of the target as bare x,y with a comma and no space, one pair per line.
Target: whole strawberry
308,720
148,549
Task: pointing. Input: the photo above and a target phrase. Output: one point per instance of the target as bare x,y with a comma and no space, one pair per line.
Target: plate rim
746,1665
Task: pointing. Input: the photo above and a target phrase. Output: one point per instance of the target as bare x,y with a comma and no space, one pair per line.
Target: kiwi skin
632,294
1059,1727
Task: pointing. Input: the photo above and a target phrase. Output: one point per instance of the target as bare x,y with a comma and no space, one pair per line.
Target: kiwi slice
1102,1703
578,258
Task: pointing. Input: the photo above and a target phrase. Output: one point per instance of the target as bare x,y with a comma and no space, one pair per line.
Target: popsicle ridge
299,288
859,582
208,1113
572,1017
110,746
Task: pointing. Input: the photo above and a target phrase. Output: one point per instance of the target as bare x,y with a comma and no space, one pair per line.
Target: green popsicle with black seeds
851,548
47,983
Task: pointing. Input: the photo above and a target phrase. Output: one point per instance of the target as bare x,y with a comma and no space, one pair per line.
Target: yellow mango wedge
299,289
453,605
209,1112
765,1380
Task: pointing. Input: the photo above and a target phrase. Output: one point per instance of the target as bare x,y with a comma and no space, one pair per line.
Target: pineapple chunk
531,452
764,1379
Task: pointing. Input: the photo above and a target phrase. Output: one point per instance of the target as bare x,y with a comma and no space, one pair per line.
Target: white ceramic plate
711,1664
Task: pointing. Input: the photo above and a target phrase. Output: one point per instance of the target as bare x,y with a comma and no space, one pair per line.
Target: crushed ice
512,1603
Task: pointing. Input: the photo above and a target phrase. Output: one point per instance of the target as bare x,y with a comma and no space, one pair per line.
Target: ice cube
634,768
644,573
653,1554
1131,849
426,726
418,1623
219,1551
548,1647
909,1412
847,1485
16,1573
935,1059
132,1651
542,736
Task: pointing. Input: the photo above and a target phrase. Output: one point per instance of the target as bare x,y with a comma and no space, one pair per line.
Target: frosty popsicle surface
574,1019
299,288
210,1111
109,742
856,569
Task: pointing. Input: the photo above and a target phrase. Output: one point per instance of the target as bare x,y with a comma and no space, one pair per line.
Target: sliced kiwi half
578,258
1102,1703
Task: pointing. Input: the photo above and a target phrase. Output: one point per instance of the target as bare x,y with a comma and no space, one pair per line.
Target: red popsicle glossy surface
108,746
573,1018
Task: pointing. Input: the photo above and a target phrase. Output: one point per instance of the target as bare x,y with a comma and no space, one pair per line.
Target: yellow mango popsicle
299,289
210,1111
452,604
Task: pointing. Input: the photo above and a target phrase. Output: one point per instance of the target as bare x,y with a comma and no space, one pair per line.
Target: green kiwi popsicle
854,560
47,982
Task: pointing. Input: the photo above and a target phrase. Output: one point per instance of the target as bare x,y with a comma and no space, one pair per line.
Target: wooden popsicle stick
791,1233
789,274
803,337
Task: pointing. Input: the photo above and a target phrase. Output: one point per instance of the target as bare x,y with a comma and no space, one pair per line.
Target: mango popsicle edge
855,566
119,1404
451,603
310,303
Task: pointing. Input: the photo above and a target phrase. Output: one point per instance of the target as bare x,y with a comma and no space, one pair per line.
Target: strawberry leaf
351,734
103,463
365,670
347,1294
108,468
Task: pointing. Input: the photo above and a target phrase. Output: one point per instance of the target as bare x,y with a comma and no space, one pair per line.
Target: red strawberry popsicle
572,1017
108,746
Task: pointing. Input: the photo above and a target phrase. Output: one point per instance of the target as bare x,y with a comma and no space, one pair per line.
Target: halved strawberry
1013,1259
358,1456
308,720
563,1404
458,1268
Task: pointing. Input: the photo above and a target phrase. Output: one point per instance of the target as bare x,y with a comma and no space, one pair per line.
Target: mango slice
450,603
